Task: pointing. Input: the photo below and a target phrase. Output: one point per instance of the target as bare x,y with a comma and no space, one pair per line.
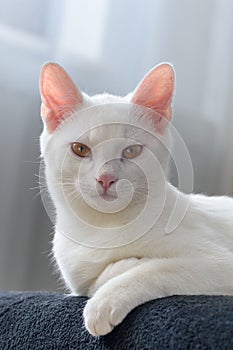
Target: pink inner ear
59,95
156,91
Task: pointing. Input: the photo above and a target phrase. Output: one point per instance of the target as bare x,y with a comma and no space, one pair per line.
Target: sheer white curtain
106,45
195,36
26,41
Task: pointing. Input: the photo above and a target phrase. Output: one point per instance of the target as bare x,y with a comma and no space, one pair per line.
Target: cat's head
99,151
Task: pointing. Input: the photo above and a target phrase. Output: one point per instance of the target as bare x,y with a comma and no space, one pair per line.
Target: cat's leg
114,269
154,279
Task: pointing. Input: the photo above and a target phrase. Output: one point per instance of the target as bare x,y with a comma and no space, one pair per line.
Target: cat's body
122,271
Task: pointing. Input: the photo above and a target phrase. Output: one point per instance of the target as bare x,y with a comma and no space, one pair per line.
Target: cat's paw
102,314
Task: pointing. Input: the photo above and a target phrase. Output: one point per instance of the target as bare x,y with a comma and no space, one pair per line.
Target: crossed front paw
102,314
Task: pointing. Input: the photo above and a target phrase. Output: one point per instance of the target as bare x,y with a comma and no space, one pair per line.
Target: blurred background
106,45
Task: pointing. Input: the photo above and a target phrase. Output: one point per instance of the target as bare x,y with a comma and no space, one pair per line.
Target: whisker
39,193
40,176
32,161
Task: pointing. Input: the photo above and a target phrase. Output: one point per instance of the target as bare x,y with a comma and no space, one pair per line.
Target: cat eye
80,149
132,151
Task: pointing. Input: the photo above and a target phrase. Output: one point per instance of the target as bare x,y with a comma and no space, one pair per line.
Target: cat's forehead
106,132
127,133
104,122
101,123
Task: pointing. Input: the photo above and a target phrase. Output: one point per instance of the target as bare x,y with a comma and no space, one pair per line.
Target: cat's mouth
108,197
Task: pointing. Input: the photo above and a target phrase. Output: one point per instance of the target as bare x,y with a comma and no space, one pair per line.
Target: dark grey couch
54,321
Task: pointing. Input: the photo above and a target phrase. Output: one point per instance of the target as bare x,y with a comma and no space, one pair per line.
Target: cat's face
99,151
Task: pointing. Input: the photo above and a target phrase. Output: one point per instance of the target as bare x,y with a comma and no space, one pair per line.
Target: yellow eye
132,151
80,149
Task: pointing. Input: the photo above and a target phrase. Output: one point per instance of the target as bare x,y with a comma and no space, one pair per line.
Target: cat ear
155,91
59,95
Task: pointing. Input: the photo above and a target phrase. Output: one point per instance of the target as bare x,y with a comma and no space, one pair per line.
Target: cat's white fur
197,258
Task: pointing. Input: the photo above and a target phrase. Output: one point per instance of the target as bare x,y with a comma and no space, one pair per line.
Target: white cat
105,159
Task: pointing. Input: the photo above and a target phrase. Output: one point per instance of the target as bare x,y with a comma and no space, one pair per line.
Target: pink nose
106,180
